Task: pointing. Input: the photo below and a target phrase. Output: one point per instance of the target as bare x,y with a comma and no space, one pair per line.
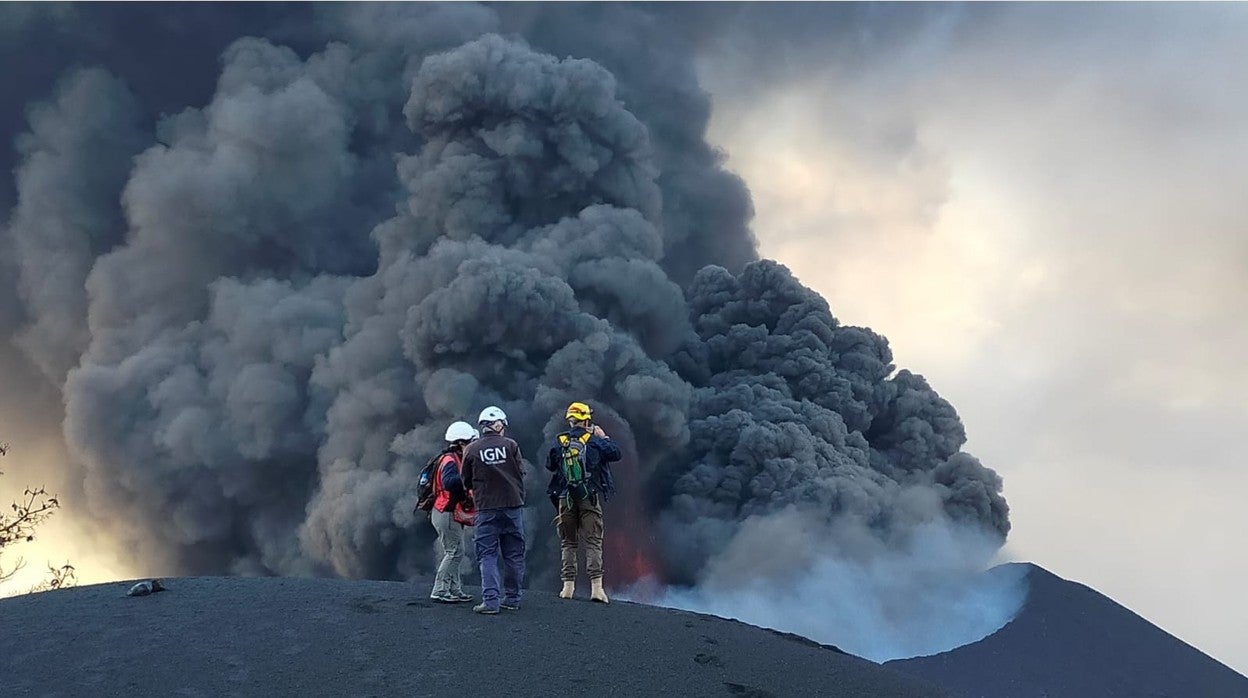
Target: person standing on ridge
452,510
580,461
494,473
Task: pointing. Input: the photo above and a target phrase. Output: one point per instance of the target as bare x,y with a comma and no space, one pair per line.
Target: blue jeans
500,529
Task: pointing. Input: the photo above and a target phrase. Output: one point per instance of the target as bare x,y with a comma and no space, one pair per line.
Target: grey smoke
793,409
76,159
274,300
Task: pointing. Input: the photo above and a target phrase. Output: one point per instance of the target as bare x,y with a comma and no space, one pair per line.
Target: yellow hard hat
579,412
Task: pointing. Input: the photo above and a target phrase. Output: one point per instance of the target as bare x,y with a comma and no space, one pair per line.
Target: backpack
574,466
426,492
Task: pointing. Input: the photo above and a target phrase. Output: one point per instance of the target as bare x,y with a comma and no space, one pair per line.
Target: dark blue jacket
451,481
598,453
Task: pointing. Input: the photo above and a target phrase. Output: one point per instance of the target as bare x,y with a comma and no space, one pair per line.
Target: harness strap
566,440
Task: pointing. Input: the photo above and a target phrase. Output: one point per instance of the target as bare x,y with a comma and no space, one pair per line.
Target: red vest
443,500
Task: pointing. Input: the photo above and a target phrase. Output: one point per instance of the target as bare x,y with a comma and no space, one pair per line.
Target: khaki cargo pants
577,519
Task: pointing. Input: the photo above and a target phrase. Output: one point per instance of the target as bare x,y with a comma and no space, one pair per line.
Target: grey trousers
451,543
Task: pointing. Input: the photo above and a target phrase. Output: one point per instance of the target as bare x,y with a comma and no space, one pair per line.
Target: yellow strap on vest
564,439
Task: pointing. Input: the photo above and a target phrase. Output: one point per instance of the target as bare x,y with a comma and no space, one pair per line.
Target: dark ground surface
219,636
1070,641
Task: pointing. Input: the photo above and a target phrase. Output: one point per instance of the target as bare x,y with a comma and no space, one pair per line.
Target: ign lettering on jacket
496,455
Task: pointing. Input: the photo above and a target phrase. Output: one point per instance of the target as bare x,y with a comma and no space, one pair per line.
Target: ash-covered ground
219,636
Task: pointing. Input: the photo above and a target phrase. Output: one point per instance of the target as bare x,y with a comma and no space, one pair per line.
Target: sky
1049,203
1042,207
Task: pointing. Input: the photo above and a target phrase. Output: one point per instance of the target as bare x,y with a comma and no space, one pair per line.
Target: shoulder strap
566,438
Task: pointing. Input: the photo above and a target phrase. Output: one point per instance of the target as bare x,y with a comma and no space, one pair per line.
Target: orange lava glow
630,551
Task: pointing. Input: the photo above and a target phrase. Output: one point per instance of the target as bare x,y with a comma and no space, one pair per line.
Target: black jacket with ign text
494,472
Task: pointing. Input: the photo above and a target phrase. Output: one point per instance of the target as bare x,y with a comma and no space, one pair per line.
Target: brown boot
569,588
596,593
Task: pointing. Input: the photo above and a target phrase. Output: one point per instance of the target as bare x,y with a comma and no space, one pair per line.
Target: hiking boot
482,608
445,597
569,588
596,593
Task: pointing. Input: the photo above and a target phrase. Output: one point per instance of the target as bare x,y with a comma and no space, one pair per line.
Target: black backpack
426,491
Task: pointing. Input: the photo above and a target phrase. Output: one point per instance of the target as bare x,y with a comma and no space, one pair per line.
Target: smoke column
262,308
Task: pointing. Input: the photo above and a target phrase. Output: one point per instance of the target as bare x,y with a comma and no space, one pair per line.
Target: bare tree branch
18,526
4,576
58,578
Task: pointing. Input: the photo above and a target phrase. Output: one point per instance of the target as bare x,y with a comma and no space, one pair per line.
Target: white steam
929,594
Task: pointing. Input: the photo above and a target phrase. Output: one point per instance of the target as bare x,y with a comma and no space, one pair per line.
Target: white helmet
492,414
460,431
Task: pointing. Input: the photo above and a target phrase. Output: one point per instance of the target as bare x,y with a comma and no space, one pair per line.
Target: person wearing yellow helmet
581,477
578,412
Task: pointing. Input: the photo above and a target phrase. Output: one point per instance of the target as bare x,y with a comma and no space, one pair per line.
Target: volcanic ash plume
263,311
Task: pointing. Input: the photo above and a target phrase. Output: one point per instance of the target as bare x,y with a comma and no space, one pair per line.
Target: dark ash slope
214,636
1072,641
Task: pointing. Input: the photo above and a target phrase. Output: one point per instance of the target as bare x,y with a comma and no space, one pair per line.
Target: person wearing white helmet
494,473
452,510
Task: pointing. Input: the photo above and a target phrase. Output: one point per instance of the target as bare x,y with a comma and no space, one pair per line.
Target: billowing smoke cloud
263,311
792,409
76,161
